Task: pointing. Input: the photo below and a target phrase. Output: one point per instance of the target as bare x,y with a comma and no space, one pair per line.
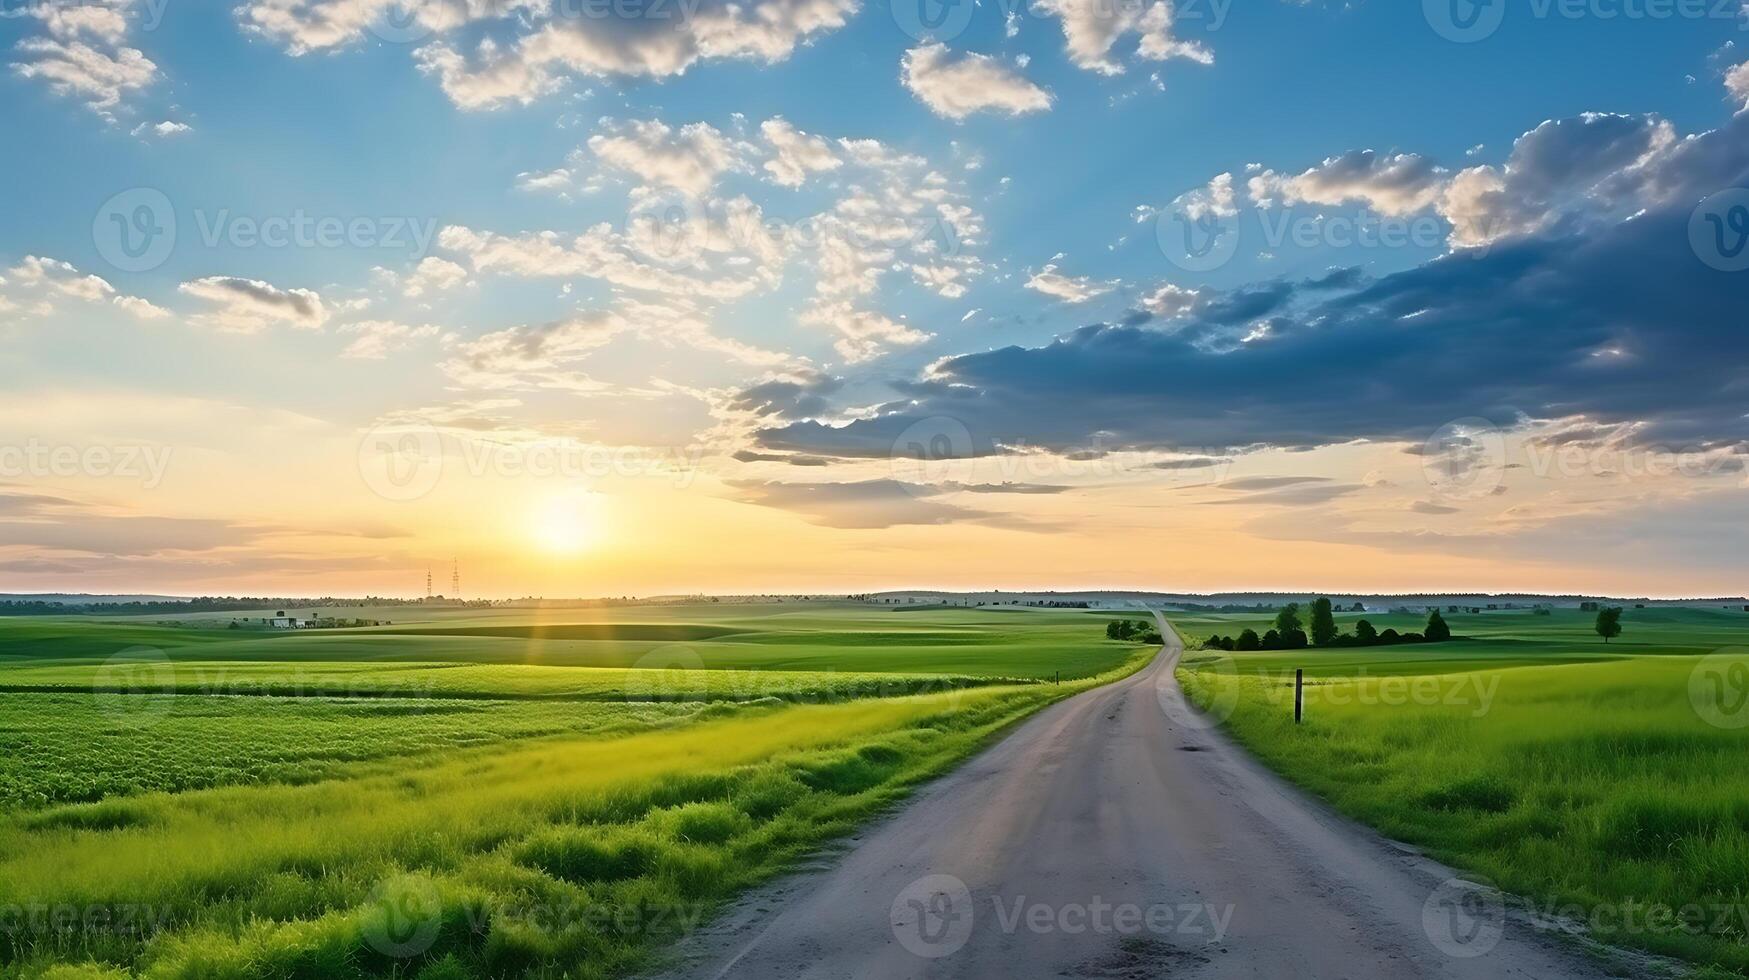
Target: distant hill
86,599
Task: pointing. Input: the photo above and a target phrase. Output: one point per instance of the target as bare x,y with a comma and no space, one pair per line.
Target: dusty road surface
1116,834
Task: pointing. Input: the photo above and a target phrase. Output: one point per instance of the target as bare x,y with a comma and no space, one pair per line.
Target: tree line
1288,632
1140,631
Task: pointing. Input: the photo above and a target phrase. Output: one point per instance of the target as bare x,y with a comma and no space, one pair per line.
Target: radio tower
427,583
455,580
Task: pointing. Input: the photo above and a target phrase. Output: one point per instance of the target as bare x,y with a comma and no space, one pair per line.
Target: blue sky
1003,182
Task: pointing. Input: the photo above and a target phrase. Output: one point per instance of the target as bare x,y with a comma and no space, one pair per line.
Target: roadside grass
534,854
1594,791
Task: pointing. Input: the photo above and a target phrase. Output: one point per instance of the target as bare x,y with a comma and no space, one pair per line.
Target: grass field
816,636
505,794
1602,785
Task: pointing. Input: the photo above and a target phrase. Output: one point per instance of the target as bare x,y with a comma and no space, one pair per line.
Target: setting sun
567,523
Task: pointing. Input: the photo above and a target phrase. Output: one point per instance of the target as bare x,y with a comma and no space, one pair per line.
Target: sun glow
567,523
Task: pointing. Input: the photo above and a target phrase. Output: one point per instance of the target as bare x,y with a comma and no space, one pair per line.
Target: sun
566,523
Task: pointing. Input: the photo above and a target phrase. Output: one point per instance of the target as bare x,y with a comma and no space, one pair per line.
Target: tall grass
1588,789
561,857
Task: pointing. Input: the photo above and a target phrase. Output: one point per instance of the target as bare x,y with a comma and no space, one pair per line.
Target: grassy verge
562,857
1594,791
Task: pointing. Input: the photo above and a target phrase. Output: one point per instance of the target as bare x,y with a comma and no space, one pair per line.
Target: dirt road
1117,834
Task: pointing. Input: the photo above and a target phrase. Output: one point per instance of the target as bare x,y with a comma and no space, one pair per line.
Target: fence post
1299,694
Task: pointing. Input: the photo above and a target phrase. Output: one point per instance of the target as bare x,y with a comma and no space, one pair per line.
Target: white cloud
679,324
861,334
1069,289
142,308
1395,185
723,253
49,280
1592,163
1737,83
645,47
433,274
162,130
557,181
795,154
250,305
1171,300
378,338
1217,199
956,88
683,249
61,279
1091,28
96,74
303,26
535,356
688,159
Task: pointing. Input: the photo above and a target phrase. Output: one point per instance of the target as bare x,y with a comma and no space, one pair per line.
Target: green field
1600,784
752,636
469,793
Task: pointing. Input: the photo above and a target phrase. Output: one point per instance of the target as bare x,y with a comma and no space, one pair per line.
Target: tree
1272,640
1389,636
1248,640
1437,631
1365,634
1323,622
1609,622
1113,631
1288,619
1227,643
1213,642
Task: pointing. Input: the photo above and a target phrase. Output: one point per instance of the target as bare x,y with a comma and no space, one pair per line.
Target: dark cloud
789,398
1272,482
1429,507
867,504
1604,320
793,459
98,534
1191,463
1024,488
1299,494
1623,324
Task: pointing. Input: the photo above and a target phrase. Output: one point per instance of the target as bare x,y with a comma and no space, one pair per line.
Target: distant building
280,621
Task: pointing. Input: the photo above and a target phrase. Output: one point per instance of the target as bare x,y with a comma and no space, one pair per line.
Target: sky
604,297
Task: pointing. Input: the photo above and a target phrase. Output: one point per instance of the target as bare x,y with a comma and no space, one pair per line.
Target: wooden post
1299,694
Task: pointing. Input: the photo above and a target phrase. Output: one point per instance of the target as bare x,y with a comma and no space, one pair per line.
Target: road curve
1117,834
